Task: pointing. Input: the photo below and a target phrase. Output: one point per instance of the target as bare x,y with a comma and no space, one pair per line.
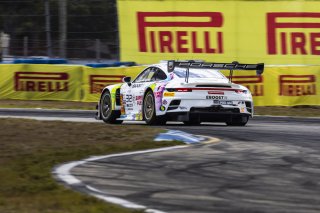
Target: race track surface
271,165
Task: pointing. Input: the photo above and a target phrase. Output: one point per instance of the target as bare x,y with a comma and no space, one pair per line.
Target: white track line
63,173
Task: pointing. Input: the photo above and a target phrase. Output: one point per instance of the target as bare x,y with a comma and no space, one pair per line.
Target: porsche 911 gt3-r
187,91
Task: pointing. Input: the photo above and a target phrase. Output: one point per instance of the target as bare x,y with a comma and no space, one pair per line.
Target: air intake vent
174,104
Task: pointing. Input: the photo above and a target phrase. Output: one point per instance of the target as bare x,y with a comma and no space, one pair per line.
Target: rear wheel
238,121
149,111
107,114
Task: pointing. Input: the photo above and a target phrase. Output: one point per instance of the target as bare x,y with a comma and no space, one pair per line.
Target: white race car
187,91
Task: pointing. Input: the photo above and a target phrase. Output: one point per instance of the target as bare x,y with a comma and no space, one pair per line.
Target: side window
150,76
161,75
142,76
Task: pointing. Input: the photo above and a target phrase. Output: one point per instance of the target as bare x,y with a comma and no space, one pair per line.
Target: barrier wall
282,85
95,79
278,86
273,32
40,82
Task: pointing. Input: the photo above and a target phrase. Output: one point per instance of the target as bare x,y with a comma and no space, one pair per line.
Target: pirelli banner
40,82
282,85
95,79
278,86
273,32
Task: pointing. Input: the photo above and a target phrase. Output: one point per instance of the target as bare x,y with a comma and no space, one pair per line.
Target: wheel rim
106,106
148,107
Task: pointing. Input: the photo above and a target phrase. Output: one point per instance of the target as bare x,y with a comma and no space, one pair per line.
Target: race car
188,91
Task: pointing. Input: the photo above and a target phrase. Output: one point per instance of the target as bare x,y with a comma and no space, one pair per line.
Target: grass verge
303,111
29,150
300,111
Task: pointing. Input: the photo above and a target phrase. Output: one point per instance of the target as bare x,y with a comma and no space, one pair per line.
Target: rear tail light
179,90
184,90
240,91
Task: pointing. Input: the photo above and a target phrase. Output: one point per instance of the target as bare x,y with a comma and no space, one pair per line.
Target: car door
132,100
139,86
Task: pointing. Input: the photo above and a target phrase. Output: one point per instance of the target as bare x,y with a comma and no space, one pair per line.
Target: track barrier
278,86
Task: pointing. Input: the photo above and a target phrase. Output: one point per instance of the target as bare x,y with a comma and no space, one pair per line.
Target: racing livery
187,91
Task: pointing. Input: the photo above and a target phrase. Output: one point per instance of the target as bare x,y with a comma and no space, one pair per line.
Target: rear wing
221,66
217,66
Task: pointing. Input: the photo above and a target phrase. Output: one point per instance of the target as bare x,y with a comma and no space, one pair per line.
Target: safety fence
278,86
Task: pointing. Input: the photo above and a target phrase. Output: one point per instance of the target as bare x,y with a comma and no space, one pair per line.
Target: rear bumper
207,114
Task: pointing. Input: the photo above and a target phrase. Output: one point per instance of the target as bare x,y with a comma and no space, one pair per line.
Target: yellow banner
278,86
95,79
40,82
273,32
282,86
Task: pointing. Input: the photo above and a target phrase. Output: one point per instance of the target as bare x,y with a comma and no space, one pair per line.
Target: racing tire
149,111
107,114
238,121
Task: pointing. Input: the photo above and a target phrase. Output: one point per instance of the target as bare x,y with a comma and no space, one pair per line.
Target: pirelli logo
253,83
98,82
297,85
41,81
293,33
156,34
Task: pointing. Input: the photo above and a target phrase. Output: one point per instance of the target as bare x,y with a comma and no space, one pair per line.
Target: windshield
199,73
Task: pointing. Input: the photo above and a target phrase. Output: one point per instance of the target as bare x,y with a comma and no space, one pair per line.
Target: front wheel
107,114
238,121
149,111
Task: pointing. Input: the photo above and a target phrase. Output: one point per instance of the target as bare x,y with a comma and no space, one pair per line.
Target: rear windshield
199,73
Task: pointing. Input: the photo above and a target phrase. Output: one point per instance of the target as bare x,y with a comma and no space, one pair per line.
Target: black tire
238,121
149,111
107,115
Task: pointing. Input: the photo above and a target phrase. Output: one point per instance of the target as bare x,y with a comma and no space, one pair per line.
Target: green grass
29,150
297,111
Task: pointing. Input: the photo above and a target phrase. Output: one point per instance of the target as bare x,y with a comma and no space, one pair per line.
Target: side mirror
127,80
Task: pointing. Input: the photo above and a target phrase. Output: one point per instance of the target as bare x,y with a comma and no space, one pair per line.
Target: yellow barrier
282,85
273,32
278,86
95,79
40,82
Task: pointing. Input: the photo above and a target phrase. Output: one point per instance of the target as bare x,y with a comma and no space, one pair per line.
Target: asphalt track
271,165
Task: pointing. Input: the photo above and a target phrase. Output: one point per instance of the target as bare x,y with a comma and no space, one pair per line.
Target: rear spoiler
217,66
220,66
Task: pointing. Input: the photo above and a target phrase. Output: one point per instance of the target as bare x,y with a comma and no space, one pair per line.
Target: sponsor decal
182,107
162,108
253,83
155,35
297,85
134,85
164,102
295,33
41,81
98,82
168,94
139,99
216,97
